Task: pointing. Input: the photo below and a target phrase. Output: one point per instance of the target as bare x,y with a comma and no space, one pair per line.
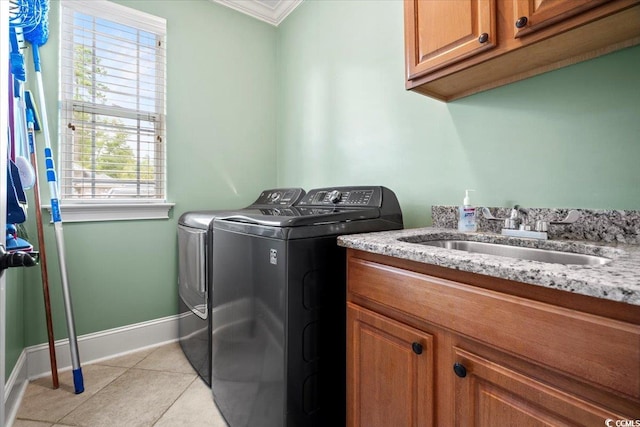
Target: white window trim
90,212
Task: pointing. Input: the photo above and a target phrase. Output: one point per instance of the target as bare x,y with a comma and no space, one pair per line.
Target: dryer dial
274,197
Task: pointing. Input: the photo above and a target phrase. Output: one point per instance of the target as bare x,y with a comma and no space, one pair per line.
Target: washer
195,243
279,342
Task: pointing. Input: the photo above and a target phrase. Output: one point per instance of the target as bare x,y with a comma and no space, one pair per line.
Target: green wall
221,137
320,101
569,138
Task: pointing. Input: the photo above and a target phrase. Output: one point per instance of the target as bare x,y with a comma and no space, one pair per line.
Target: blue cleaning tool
16,59
26,14
19,76
15,243
35,118
38,36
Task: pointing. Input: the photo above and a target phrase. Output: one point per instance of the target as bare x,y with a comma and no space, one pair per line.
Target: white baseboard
34,361
15,388
103,345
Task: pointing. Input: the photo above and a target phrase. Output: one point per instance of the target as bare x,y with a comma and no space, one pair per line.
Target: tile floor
154,387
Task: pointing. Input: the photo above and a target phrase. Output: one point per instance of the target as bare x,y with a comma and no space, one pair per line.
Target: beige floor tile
137,398
194,408
152,387
29,423
127,360
168,358
43,403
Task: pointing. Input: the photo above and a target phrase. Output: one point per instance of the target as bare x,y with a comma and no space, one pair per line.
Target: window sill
112,212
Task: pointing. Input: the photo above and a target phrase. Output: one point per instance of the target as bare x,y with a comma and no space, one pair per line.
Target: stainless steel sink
532,254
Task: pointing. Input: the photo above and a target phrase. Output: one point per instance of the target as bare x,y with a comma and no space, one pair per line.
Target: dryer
195,244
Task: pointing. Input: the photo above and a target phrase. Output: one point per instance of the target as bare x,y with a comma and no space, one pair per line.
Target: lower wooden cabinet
488,394
437,347
390,372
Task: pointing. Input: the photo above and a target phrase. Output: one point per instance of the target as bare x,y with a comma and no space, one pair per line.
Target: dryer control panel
279,197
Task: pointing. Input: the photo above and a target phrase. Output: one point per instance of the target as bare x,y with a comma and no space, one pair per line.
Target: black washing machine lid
301,217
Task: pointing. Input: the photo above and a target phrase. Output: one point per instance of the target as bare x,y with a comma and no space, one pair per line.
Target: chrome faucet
515,219
516,226
512,222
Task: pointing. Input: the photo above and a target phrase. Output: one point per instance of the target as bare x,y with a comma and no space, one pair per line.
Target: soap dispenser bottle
467,215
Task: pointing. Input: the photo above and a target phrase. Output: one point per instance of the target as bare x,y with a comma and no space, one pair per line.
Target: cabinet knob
521,22
417,347
484,37
460,370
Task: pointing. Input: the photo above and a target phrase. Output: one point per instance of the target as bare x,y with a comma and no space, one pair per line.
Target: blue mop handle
53,185
36,57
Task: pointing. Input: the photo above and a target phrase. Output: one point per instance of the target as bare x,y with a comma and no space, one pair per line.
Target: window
112,121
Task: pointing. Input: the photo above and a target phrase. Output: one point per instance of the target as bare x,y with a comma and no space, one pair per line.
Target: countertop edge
618,280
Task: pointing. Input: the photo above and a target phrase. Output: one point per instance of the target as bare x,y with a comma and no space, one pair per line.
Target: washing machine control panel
343,196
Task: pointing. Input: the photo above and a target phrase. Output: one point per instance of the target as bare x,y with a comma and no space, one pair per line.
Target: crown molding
270,11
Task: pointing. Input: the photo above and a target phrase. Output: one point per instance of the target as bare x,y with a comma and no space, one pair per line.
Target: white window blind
112,129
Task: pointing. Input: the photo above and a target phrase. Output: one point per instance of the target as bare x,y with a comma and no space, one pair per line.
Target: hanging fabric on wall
16,197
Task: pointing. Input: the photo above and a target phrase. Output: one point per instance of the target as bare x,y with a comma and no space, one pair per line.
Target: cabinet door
532,15
389,372
488,394
441,32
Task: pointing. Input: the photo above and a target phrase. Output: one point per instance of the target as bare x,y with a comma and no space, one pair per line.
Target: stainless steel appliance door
192,269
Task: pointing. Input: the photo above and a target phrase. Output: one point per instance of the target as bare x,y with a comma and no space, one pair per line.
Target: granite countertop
618,280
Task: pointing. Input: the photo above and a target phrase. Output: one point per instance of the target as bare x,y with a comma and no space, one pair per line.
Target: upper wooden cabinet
531,15
455,48
446,31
